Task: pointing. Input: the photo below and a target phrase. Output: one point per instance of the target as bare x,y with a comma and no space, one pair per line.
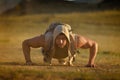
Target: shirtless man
61,47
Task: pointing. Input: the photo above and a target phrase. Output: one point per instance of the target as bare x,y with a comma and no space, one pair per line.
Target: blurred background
40,6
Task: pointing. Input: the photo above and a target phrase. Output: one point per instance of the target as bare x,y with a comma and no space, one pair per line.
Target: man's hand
29,63
90,65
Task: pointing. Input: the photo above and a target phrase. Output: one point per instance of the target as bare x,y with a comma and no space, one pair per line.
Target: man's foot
47,61
70,64
62,62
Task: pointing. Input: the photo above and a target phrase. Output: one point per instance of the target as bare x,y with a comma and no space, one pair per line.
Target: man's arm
85,43
35,42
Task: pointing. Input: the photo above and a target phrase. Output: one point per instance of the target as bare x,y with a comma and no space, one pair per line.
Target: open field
101,26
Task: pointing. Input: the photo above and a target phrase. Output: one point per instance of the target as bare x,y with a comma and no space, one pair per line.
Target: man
61,45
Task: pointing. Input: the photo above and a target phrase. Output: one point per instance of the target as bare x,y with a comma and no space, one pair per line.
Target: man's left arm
86,43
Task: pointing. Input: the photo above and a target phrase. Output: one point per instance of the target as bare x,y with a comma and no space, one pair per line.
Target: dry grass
102,27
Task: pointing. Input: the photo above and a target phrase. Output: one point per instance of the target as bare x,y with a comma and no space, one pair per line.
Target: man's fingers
29,63
90,65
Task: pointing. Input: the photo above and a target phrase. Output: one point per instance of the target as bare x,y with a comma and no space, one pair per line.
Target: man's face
61,40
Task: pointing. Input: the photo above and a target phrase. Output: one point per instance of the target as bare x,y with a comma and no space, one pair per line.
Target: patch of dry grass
102,27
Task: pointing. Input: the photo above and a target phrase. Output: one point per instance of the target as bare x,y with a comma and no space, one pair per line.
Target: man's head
61,40
61,36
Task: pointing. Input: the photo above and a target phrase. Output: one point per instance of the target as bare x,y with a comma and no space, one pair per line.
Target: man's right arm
35,42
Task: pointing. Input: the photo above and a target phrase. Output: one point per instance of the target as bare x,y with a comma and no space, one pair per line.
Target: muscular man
63,44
